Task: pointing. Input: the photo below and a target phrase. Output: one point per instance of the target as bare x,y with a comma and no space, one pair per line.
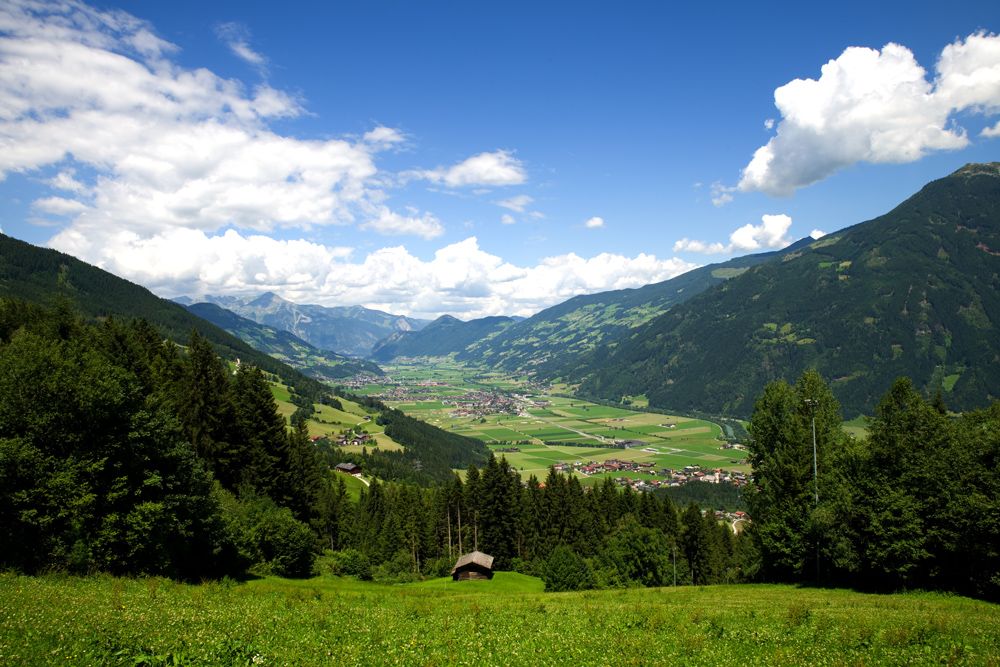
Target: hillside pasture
329,421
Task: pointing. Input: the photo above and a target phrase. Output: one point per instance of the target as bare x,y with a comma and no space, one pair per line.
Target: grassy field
102,620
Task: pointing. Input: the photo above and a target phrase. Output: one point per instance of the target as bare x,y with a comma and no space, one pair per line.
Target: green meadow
58,620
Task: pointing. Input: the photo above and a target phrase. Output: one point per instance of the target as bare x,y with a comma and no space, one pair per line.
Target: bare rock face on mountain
350,330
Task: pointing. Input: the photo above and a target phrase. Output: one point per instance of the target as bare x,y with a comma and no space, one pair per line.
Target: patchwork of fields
549,429
554,429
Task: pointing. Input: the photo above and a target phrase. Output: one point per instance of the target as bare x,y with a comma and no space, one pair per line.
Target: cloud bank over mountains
183,180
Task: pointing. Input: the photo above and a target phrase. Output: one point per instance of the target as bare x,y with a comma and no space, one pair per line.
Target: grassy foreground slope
102,620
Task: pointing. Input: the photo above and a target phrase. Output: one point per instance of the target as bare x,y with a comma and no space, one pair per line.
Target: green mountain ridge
346,330
556,342
915,292
445,335
284,346
40,275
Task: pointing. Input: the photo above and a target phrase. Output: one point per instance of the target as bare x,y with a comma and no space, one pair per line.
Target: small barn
475,565
348,468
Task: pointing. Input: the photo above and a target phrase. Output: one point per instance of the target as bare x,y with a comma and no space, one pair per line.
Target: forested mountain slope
443,336
350,330
285,346
41,275
915,292
555,341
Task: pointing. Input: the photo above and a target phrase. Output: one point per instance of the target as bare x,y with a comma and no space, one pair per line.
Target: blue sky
472,159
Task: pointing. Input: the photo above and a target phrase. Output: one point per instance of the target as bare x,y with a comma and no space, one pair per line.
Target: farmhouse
475,565
348,468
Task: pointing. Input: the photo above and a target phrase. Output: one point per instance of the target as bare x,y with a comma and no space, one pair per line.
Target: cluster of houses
362,380
664,477
354,438
482,403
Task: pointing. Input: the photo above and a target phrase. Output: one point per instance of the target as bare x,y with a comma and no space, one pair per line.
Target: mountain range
346,330
285,346
913,292
441,337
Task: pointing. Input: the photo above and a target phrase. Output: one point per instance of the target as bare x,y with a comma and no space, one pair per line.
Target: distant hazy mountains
285,346
351,330
915,292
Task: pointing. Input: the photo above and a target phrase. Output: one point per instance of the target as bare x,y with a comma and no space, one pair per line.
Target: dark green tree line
914,505
121,453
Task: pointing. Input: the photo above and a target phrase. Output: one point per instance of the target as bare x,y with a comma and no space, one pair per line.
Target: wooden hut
348,468
475,565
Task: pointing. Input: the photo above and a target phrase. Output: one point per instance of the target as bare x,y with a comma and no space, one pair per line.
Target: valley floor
328,620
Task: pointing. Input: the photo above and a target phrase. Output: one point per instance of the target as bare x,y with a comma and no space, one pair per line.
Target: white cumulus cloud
390,223
142,146
594,223
875,106
59,206
178,179
460,279
485,169
992,131
383,136
770,234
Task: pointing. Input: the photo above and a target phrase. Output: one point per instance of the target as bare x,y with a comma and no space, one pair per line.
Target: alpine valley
911,293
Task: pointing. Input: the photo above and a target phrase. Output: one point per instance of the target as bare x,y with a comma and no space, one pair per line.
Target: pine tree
498,512
784,494
304,476
206,410
260,434
906,437
699,545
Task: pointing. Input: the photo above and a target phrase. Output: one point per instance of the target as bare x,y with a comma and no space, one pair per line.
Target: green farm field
557,423
507,621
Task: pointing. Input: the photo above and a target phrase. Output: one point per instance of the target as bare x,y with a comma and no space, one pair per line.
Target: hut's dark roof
477,558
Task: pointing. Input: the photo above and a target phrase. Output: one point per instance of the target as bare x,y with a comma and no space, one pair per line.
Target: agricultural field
556,429
506,621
